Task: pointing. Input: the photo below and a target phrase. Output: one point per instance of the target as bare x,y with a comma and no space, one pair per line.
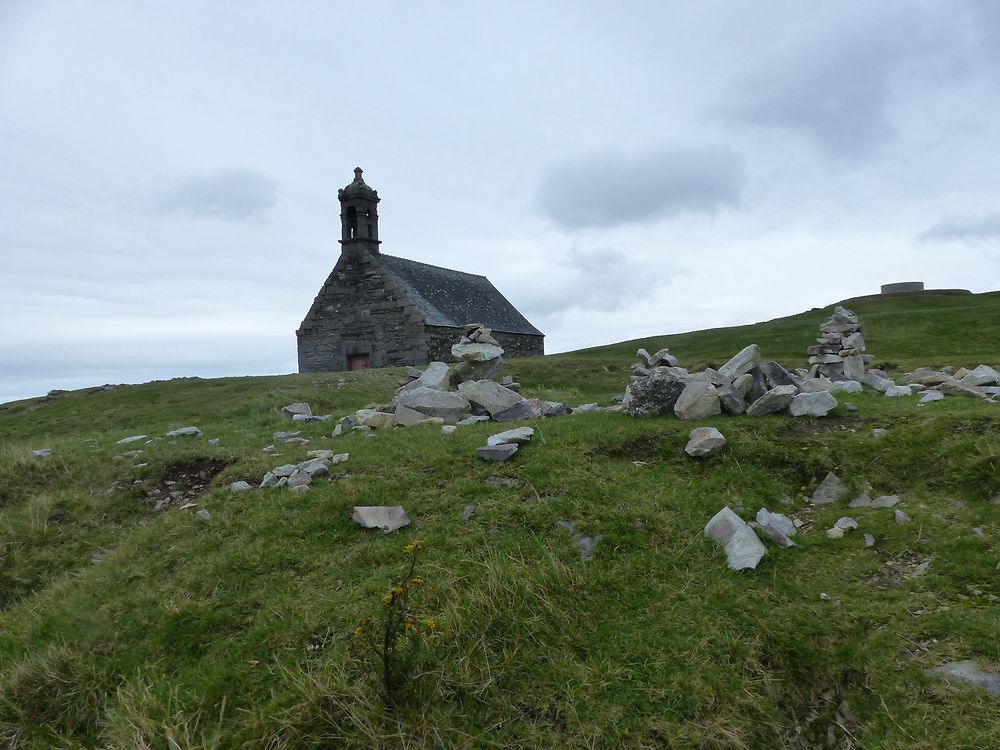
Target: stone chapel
378,310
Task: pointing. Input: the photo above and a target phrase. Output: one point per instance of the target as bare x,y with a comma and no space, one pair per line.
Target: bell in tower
359,214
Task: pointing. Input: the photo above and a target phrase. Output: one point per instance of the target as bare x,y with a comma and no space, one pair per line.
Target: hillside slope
126,626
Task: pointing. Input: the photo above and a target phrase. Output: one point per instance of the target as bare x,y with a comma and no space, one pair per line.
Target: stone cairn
470,391
839,353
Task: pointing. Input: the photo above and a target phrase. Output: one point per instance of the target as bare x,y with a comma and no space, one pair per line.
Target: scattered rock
879,432
968,672
746,360
284,437
500,452
476,419
817,404
468,511
240,486
213,441
775,400
883,501
929,396
901,517
132,439
518,435
475,352
203,515
704,442
448,429
830,490
698,400
436,376
450,406
843,525
869,540
777,527
959,388
743,548
302,409
491,396
385,517
185,432
585,544
42,452
520,410
653,395
982,375
894,391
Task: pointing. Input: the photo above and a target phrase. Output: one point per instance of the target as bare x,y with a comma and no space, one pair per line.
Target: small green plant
392,637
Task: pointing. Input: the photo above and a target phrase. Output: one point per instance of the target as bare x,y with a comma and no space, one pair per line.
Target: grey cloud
602,279
607,189
977,229
231,194
835,82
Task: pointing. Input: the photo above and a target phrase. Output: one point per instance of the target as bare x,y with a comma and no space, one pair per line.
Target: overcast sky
169,170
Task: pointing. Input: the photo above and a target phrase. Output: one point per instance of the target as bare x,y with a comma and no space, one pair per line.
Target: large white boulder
817,404
490,395
448,405
743,548
747,359
698,400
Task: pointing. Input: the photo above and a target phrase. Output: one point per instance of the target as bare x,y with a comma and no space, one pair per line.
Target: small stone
213,441
921,569
298,489
42,452
894,391
742,363
879,432
518,435
846,523
968,672
978,531
698,400
284,437
743,548
869,540
203,515
775,400
468,511
448,429
521,410
817,404
240,486
185,432
929,396
497,452
472,420
850,407
704,442
835,533
384,517
777,527
824,597
829,490
289,412
901,517
132,439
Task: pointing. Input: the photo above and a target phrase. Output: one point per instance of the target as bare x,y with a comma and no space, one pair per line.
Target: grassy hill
124,626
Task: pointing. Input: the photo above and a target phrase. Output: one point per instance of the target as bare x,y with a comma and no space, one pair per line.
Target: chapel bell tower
359,214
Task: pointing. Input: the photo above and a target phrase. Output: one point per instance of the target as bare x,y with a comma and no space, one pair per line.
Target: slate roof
454,298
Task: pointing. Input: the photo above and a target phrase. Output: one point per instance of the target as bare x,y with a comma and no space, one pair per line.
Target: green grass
122,626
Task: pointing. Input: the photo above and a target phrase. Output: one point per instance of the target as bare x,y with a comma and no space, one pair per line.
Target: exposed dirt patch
638,448
181,481
816,427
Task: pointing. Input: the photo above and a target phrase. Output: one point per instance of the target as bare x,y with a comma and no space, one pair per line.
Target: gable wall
360,310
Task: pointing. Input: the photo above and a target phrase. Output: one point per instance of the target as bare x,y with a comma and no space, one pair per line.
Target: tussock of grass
121,626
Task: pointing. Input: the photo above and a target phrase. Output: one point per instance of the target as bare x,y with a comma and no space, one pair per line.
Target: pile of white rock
465,393
744,385
839,353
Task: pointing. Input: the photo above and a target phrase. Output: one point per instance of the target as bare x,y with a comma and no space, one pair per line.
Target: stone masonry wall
360,310
440,338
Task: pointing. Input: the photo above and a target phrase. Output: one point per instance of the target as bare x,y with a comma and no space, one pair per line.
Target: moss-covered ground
122,626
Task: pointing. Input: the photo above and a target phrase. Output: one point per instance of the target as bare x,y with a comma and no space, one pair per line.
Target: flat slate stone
518,435
777,527
134,438
490,395
520,410
385,517
500,452
185,432
775,400
829,490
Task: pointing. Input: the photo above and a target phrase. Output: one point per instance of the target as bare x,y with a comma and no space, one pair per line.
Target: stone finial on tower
359,214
